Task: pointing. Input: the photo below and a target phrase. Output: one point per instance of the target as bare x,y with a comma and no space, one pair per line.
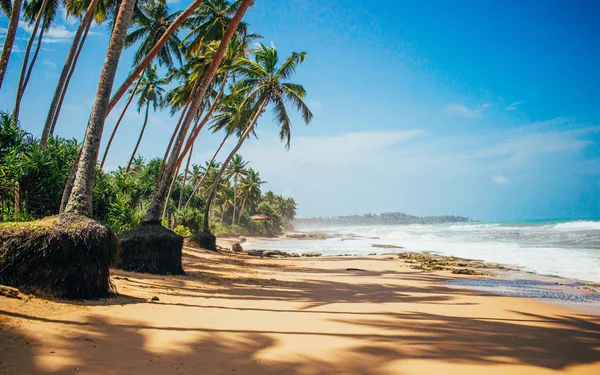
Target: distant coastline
387,218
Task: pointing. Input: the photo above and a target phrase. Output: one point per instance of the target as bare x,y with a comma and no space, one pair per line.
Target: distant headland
387,218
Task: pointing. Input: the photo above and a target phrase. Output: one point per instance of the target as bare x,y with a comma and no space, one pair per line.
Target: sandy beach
237,314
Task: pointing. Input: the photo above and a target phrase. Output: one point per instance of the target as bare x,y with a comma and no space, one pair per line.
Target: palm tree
151,93
153,21
80,200
209,23
12,11
250,189
97,10
154,52
237,170
262,84
35,12
154,210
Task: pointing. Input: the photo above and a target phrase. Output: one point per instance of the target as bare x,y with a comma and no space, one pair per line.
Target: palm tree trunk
69,65
187,168
64,93
112,135
204,176
33,60
234,199
241,211
80,201
153,52
197,129
11,33
69,184
153,213
175,132
139,138
164,212
36,26
213,189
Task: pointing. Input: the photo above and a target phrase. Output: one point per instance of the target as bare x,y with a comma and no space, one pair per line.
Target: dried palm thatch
65,256
151,248
205,240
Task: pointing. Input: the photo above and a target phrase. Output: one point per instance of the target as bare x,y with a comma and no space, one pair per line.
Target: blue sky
483,109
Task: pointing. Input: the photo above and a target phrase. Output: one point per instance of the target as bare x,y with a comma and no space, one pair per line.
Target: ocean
563,248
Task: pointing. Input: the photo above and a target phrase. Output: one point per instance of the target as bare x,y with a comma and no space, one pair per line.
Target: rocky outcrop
271,254
386,246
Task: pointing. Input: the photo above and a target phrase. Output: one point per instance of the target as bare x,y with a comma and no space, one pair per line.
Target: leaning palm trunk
114,132
80,201
33,60
215,186
199,184
69,65
154,209
185,174
139,138
64,93
20,89
11,33
153,52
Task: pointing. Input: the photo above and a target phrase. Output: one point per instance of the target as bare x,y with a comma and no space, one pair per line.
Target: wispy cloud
456,109
55,34
500,180
513,106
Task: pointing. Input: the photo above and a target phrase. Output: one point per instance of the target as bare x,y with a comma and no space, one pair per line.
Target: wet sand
236,314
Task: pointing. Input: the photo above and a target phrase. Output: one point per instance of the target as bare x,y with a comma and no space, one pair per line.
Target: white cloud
49,64
513,106
69,20
456,109
55,34
500,180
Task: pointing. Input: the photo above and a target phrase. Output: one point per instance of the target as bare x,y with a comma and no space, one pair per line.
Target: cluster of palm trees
219,80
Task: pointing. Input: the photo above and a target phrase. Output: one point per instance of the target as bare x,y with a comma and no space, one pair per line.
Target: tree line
224,80
387,218
221,82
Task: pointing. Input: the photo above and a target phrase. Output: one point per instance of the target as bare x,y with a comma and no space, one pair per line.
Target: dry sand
234,314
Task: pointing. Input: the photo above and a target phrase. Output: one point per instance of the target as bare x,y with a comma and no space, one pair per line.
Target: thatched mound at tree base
151,248
65,256
205,240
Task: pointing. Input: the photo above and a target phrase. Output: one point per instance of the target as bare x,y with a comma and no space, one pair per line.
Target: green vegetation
388,218
121,197
205,54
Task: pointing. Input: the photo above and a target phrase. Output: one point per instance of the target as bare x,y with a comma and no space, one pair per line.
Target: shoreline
243,314
575,294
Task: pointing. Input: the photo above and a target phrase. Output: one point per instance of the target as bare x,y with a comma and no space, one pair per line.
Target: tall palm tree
80,200
154,210
96,10
35,12
237,170
209,23
12,11
150,93
250,190
262,85
154,52
152,20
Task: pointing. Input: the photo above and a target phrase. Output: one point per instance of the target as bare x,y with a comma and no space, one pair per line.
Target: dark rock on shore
387,246
310,236
311,255
271,254
237,248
